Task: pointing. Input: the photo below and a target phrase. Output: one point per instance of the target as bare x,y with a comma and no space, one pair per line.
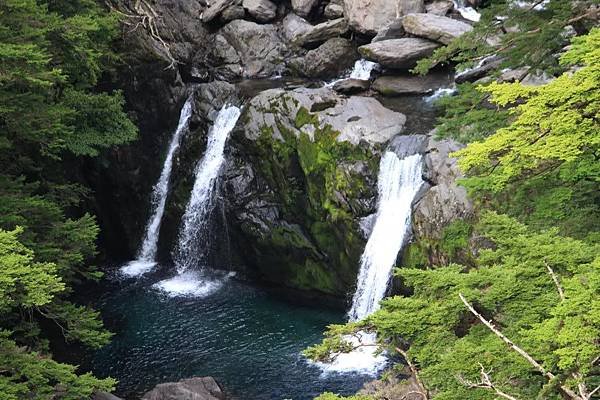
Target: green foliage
333,396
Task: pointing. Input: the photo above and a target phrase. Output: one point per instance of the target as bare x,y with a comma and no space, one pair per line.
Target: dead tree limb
559,288
413,369
485,383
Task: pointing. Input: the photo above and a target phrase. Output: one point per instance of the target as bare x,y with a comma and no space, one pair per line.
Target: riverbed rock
215,9
330,59
261,10
410,84
187,389
351,86
439,7
333,11
368,16
398,53
235,11
294,26
321,32
486,66
435,27
259,47
392,30
303,7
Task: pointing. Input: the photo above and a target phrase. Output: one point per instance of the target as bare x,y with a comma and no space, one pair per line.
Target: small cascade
465,11
362,69
146,255
194,231
441,92
398,183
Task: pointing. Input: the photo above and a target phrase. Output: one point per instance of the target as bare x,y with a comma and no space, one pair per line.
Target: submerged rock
368,16
435,27
187,389
330,59
398,53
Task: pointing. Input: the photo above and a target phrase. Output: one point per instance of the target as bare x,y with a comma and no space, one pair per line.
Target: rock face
302,173
445,201
398,53
321,32
435,27
187,389
411,84
368,16
261,10
258,48
330,59
303,7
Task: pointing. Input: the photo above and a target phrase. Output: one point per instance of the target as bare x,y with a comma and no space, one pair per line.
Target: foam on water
137,268
188,284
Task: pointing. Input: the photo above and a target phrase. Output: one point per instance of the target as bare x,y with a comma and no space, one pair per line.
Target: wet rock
259,47
333,11
445,201
393,30
322,32
435,27
410,84
368,16
330,59
479,71
439,7
215,9
351,86
303,7
187,389
398,53
294,26
261,10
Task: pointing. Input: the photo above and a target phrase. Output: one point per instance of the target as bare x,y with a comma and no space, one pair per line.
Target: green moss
304,117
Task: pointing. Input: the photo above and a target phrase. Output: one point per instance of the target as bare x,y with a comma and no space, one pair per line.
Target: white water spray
398,183
441,92
465,11
362,69
146,255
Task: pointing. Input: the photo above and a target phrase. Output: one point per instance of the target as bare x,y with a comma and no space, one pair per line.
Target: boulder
321,32
294,26
351,86
409,84
187,389
333,11
215,9
232,12
439,7
486,65
330,59
261,10
434,27
445,201
368,16
259,47
398,53
303,7
392,30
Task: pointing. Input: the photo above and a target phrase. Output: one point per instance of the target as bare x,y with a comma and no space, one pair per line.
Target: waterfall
465,11
146,254
362,69
398,183
195,222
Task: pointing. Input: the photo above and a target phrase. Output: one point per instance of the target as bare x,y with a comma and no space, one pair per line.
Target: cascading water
398,183
362,69
194,231
466,11
146,255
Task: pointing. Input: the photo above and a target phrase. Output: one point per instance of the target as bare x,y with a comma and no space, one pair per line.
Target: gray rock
435,27
322,32
303,7
187,389
439,7
358,119
445,201
259,47
104,396
409,84
232,12
333,11
261,10
294,26
351,86
216,9
471,75
330,59
368,16
398,53
393,30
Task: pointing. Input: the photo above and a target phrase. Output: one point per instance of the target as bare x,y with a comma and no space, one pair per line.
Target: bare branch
485,383
415,372
561,293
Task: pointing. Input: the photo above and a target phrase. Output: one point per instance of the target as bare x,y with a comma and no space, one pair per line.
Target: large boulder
398,53
261,10
368,16
321,32
410,84
293,26
435,27
330,59
259,47
303,7
187,389
301,175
